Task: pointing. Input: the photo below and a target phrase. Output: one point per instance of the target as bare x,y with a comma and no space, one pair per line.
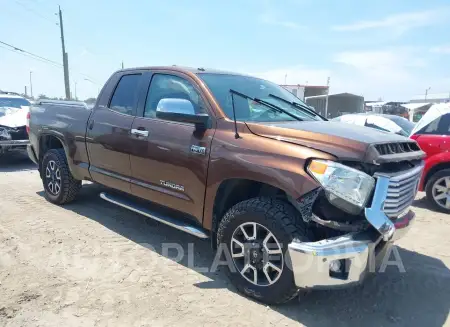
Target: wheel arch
234,190
433,170
48,141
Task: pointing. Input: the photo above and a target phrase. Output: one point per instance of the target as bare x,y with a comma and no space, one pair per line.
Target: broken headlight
345,187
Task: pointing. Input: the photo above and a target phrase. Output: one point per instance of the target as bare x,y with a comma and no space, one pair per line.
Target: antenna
236,134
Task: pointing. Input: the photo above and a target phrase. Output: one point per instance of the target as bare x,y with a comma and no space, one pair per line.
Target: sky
385,49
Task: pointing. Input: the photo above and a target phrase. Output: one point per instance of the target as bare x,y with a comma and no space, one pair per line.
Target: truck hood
344,141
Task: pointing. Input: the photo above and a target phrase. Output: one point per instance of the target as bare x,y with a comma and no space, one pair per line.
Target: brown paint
110,155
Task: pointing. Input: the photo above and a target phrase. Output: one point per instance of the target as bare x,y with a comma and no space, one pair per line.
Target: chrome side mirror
181,110
175,106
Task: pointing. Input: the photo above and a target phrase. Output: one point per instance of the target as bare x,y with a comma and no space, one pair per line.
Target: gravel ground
93,264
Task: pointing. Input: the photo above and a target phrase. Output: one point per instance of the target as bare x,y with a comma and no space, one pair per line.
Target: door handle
139,132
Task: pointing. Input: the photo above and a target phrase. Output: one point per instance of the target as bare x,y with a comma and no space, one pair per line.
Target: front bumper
356,253
14,143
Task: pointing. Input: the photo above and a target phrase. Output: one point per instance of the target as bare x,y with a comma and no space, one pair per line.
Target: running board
178,224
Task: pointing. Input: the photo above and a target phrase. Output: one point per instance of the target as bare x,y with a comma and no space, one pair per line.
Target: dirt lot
93,264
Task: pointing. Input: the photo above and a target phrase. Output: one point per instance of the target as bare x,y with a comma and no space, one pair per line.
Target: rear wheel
438,190
59,184
256,233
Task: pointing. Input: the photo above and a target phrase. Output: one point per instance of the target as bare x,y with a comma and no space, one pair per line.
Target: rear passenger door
170,162
109,137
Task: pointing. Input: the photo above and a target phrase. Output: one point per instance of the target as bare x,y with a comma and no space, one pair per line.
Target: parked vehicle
387,123
294,200
432,133
13,118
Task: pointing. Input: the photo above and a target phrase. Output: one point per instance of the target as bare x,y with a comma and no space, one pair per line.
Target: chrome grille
402,191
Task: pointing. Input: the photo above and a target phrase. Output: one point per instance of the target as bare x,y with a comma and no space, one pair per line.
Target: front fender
251,157
430,163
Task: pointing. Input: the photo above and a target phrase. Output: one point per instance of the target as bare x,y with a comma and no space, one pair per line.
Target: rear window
13,102
124,99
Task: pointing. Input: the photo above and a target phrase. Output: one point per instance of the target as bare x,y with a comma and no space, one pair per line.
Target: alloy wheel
441,192
53,177
257,254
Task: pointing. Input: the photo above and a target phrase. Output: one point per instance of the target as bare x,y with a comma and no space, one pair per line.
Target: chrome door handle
139,132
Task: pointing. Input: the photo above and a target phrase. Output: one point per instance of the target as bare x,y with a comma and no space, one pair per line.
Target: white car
387,123
13,119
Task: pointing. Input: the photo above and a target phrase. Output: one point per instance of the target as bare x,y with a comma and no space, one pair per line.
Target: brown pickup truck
289,199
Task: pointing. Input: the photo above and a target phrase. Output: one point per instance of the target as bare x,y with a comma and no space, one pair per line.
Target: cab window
165,86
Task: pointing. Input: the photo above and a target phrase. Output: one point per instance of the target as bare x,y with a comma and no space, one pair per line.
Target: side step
178,224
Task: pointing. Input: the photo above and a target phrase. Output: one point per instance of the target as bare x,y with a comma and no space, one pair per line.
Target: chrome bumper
357,253
11,143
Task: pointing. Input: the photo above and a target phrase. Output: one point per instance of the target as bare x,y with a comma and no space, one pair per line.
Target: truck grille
402,191
394,148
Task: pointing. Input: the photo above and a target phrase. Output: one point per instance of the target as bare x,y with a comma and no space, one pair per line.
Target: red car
432,133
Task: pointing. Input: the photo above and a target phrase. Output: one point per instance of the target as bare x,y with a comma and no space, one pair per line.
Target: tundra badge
172,185
198,149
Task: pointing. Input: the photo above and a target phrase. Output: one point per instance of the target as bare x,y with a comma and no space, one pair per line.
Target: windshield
249,110
13,102
404,124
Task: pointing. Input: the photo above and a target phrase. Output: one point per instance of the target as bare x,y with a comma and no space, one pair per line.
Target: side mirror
181,110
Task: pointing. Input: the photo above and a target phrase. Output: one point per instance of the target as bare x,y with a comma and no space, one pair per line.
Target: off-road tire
284,221
429,189
69,185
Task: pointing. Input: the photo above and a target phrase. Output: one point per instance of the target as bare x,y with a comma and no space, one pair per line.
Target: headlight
345,187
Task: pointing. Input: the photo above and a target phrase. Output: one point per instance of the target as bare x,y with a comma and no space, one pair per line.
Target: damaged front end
356,214
13,138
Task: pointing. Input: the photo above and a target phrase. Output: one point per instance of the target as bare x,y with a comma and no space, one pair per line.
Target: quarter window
124,99
165,86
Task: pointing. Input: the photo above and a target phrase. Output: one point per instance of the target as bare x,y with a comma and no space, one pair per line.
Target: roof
9,95
183,69
412,106
303,85
432,96
334,95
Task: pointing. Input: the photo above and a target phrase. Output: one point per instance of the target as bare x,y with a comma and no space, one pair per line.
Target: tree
43,96
90,100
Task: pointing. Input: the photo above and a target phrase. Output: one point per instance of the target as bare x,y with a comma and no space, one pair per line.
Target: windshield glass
405,124
13,102
249,110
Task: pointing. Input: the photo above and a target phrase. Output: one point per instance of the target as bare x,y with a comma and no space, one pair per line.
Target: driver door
166,166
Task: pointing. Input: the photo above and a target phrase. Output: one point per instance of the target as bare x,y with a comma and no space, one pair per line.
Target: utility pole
31,85
426,92
65,58
75,90
122,64
26,91
326,99
285,79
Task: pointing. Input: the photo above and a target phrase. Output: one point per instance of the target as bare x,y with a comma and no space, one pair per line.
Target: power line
23,52
35,12
32,54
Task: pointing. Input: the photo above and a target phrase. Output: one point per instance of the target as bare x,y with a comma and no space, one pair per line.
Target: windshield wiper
267,104
298,105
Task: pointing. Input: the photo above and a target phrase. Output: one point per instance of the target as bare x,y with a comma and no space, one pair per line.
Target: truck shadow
16,161
418,297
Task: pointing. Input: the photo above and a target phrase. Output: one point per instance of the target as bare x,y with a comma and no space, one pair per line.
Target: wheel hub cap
441,192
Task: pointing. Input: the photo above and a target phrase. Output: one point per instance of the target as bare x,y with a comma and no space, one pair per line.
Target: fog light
336,266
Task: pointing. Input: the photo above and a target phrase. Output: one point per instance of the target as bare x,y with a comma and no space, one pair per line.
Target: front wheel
59,184
256,234
438,190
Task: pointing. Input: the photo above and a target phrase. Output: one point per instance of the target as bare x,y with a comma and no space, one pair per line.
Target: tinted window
125,96
404,124
445,125
13,102
247,110
431,128
171,87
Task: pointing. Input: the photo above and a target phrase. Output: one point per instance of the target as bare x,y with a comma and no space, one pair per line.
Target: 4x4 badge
198,149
